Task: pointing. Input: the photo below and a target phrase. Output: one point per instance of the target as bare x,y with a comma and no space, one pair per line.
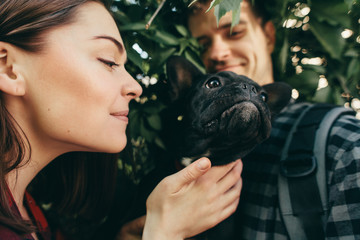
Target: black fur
222,116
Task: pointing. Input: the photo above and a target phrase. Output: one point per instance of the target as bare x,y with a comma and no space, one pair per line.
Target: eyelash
109,63
236,34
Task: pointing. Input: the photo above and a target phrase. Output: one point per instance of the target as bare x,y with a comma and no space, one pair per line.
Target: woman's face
77,90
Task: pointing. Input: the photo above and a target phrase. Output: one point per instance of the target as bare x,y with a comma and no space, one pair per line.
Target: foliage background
317,52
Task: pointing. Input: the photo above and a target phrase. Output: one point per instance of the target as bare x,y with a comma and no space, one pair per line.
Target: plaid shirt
258,210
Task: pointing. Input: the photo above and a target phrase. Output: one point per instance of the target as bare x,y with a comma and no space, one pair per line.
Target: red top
36,215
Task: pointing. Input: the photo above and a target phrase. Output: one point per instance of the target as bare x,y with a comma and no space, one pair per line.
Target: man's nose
219,49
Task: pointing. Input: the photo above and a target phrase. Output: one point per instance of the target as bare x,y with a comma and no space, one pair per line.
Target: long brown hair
85,181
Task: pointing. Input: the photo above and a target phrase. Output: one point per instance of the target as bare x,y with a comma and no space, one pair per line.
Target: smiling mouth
228,67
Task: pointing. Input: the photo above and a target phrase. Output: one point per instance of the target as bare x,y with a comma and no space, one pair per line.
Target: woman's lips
123,115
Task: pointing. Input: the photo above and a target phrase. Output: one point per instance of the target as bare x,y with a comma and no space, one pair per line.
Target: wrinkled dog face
224,115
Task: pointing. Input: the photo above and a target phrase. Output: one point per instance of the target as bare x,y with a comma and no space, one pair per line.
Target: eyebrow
116,42
224,26
228,25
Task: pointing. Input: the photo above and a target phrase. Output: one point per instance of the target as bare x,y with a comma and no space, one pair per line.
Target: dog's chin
243,118
240,117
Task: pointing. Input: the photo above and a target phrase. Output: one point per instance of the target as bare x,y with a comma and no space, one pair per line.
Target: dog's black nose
248,88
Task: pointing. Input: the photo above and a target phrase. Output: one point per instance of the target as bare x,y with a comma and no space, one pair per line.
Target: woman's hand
192,200
132,230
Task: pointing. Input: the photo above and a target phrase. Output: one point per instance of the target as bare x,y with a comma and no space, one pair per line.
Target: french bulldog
222,116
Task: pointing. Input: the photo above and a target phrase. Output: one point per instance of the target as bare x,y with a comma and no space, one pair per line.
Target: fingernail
203,164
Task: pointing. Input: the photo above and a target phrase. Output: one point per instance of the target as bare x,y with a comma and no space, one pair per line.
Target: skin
74,96
51,105
246,51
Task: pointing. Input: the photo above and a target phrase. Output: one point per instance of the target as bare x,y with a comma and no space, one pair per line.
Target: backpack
302,186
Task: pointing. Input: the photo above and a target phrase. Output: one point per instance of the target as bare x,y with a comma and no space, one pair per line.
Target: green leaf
221,7
283,55
145,67
134,57
182,30
159,142
315,68
165,38
160,57
333,12
323,95
154,121
352,52
353,67
132,27
329,37
306,82
144,132
194,58
214,3
349,3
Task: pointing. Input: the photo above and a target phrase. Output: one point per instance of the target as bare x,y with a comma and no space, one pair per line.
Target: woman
65,95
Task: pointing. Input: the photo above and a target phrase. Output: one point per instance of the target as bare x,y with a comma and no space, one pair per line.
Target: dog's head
222,116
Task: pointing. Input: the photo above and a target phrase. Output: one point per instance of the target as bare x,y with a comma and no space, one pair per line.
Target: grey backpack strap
302,183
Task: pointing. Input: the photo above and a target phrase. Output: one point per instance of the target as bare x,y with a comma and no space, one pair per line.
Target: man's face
246,51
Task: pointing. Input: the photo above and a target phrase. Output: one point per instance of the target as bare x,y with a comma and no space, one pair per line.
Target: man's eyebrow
228,25
116,42
224,26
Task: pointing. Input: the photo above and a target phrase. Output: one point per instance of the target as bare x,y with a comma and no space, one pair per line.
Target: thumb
191,172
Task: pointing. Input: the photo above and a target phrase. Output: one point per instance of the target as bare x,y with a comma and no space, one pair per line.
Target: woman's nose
132,88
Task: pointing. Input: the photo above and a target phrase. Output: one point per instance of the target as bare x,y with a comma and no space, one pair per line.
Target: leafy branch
221,7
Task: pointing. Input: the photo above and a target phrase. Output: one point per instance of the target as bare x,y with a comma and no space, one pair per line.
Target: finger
230,200
218,172
132,230
190,173
137,225
234,192
231,178
229,210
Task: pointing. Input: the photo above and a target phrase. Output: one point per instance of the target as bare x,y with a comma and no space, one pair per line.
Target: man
247,51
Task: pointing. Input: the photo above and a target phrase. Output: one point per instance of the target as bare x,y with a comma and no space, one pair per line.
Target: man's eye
202,49
204,46
108,63
237,34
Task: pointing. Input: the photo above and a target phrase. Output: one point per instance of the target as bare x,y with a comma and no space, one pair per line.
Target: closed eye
237,34
109,63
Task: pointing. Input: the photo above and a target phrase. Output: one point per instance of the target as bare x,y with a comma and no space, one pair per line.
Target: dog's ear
181,74
279,95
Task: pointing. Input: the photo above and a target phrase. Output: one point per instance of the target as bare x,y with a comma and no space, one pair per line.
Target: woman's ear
270,34
11,81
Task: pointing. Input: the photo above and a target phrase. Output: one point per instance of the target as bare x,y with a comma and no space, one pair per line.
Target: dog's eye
264,96
213,83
